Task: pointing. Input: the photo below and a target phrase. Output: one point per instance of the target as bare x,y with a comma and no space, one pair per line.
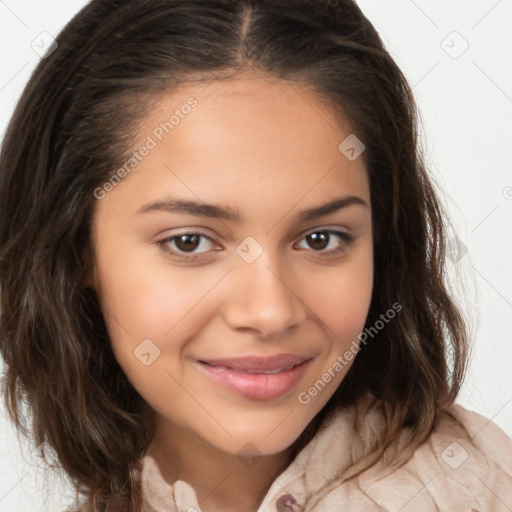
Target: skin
268,150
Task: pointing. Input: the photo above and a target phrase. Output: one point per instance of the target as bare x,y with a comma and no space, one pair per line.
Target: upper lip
254,363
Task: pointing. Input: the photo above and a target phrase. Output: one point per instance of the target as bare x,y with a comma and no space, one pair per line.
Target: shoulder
465,465
474,443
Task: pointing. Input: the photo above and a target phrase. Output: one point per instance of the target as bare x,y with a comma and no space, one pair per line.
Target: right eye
188,245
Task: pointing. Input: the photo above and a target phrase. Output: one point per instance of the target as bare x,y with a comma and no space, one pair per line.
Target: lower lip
257,386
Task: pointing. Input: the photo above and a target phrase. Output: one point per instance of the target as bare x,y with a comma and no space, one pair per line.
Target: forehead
242,139
252,103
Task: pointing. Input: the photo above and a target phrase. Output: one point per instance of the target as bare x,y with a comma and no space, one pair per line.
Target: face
234,260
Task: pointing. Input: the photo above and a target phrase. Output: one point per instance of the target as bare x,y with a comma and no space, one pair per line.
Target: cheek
145,299
137,285
340,301
341,297
151,316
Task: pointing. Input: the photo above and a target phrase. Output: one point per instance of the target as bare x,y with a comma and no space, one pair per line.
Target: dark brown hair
73,127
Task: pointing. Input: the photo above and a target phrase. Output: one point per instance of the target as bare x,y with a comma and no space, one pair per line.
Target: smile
253,383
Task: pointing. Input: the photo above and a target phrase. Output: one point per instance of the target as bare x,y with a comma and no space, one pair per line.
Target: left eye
325,241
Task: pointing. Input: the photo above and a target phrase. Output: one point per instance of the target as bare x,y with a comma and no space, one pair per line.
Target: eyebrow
225,213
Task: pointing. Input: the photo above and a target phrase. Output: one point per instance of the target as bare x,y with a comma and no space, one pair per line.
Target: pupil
187,242
318,240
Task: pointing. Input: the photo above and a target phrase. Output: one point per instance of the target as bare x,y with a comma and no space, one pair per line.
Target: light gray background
465,98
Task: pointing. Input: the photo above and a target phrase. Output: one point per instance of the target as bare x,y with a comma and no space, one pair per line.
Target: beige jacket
450,472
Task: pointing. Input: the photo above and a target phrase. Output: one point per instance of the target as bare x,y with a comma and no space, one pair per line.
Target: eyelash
345,240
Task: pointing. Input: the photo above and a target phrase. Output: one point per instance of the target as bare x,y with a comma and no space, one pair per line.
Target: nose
262,300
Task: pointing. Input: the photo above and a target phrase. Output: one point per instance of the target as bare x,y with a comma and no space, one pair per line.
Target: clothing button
285,503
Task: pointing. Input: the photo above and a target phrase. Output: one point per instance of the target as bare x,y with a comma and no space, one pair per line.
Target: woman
222,269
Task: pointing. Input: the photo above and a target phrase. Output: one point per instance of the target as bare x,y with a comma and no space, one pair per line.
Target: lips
257,378
256,364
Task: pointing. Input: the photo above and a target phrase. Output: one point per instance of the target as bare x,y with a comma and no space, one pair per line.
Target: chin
260,441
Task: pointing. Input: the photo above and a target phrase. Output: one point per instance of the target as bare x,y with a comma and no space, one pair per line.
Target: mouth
255,377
